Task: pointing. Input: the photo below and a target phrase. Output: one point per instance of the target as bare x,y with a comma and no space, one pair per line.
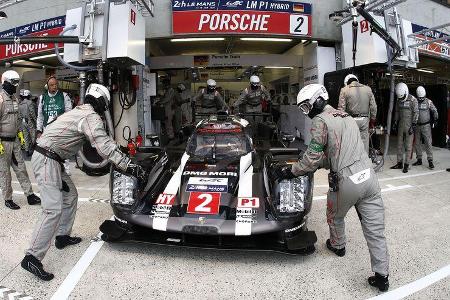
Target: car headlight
292,195
123,189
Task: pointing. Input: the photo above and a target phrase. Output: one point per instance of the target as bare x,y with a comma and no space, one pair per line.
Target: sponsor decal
210,173
203,203
248,202
204,184
243,16
439,49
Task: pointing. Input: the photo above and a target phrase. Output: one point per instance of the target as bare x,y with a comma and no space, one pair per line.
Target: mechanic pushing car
428,116
406,116
209,100
62,139
358,101
336,144
251,98
10,152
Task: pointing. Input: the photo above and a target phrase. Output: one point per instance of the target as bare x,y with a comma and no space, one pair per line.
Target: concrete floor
417,229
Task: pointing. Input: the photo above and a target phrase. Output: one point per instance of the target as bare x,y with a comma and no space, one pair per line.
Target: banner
439,49
242,17
52,26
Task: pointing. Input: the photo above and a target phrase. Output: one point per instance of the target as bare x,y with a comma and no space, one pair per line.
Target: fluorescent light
425,71
270,67
266,40
18,61
45,56
197,39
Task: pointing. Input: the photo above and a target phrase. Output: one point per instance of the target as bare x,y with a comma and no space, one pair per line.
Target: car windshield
218,145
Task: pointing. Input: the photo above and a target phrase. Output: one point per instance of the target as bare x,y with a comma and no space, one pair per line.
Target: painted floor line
394,178
72,279
415,286
390,188
81,199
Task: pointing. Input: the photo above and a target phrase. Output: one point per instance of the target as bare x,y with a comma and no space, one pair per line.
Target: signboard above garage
52,26
242,17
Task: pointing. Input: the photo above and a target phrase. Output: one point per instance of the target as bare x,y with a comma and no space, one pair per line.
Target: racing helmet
255,82
211,83
312,99
10,81
25,94
181,87
420,92
349,79
98,96
401,90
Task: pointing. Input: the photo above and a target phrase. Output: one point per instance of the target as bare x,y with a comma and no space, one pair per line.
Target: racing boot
405,168
62,241
34,266
379,281
33,199
10,204
338,252
430,164
399,165
418,162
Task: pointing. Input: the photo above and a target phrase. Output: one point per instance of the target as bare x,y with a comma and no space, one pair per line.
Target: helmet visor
15,81
305,107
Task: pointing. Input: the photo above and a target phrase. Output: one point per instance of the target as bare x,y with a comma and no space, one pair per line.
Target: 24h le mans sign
241,17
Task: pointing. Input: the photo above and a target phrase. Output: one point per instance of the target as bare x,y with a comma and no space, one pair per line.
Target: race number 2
299,24
204,203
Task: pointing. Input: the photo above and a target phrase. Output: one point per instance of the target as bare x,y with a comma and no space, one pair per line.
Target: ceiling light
19,61
425,71
3,15
197,39
266,40
45,56
270,67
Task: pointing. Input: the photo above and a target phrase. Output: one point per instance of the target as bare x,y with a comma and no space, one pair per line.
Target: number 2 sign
299,24
203,203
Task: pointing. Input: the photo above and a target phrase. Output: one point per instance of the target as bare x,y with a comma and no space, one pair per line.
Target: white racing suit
336,144
358,101
407,114
423,130
65,137
9,126
250,101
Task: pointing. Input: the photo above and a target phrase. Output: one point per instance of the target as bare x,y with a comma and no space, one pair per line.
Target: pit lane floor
417,229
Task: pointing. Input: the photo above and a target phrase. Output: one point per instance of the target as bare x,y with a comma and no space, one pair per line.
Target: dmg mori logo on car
210,173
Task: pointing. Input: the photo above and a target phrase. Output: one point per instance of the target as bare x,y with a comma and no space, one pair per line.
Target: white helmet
11,77
211,82
420,92
348,77
25,93
181,87
312,99
254,79
401,90
98,96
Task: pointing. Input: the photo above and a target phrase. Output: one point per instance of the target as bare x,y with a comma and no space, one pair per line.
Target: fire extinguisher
131,145
139,139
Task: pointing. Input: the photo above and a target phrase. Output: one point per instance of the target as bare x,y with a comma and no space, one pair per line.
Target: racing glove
412,129
21,139
283,172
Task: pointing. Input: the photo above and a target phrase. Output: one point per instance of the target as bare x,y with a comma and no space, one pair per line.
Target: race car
220,192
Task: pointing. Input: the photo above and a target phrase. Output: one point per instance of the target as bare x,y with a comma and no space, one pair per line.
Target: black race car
217,193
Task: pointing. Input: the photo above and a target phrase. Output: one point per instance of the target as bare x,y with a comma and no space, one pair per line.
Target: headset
46,84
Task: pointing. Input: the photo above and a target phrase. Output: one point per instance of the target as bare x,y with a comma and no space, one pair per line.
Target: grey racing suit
336,144
65,137
27,114
9,126
428,114
168,101
250,101
209,103
406,114
358,100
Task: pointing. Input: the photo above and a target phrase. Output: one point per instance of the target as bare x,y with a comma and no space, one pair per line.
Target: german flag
299,8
